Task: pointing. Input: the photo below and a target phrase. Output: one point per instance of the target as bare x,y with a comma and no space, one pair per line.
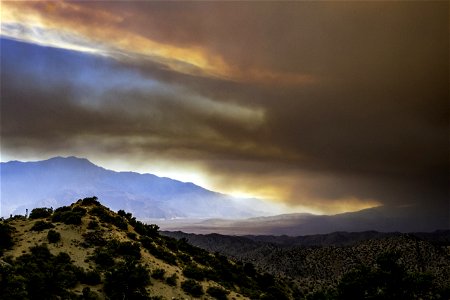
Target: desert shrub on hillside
41,225
94,238
62,209
107,217
217,292
103,258
93,225
80,210
194,272
53,236
91,277
172,280
39,275
6,240
90,201
129,249
127,281
387,280
158,274
192,287
149,230
41,212
68,217
158,251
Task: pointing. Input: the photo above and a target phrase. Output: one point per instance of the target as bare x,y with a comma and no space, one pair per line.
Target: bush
158,274
41,225
6,240
192,287
172,280
90,201
92,225
80,210
68,217
91,278
43,275
41,212
217,293
127,281
94,238
194,272
158,251
129,249
53,236
62,209
103,258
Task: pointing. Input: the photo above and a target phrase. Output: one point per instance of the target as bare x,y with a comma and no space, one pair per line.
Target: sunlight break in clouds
42,22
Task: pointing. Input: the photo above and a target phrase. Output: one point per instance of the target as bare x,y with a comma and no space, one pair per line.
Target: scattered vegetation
192,287
118,262
127,280
6,240
158,274
53,236
42,225
41,212
217,292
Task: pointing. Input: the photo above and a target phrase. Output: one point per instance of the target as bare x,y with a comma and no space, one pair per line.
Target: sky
324,107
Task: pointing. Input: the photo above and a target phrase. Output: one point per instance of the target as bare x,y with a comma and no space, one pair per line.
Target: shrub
41,225
88,294
217,293
172,280
194,272
158,251
67,217
53,236
92,225
80,210
192,287
158,274
132,235
6,240
127,281
45,276
90,201
62,209
91,278
94,238
41,212
103,258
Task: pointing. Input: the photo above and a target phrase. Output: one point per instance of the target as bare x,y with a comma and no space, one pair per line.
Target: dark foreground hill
318,264
87,251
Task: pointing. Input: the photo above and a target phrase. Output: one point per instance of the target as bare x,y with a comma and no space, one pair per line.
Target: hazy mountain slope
58,181
384,219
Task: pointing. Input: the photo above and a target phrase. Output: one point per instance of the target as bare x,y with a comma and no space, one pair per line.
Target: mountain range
57,181
176,205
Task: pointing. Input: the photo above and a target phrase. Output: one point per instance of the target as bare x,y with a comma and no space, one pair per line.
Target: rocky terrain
317,262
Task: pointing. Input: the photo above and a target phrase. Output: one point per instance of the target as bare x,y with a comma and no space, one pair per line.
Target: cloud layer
326,106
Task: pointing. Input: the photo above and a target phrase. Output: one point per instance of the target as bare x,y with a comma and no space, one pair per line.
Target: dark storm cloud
325,101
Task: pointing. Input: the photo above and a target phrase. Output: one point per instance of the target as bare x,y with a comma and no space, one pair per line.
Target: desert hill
86,251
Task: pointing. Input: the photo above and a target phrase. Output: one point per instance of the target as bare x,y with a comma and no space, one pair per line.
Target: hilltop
87,251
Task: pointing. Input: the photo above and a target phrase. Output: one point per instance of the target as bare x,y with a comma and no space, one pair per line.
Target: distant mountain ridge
59,180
